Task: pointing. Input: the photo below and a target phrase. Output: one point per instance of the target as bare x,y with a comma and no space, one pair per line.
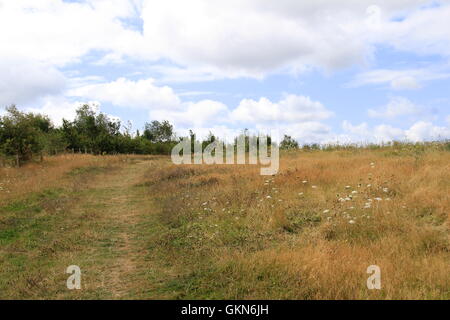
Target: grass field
141,227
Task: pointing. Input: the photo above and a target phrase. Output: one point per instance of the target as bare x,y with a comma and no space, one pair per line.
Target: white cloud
22,81
418,132
58,32
307,132
290,109
397,106
215,38
202,114
133,94
385,133
58,108
422,130
423,31
399,79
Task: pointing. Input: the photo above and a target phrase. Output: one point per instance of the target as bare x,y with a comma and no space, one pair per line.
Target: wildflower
305,181
314,187
354,192
326,211
300,194
352,222
348,199
347,187
204,203
369,185
269,197
378,199
385,190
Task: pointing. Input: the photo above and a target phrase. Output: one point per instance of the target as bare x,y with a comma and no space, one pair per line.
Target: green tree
156,131
23,134
288,143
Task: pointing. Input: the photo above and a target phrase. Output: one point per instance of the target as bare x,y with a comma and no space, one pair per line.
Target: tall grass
311,231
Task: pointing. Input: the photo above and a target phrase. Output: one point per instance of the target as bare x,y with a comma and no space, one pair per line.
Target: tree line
27,135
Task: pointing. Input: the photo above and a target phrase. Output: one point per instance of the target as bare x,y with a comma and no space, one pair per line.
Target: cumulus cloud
397,106
223,38
202,114
22,81
58,32
127,93
422,130
418,132
290,109
58,108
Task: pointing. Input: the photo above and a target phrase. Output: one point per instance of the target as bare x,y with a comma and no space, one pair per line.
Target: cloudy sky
321,71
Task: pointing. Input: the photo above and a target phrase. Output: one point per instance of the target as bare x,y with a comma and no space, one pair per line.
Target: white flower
314,187
300,194
354,192
369,185
326,211
378,199
352,222
268,197
204,203
385,190
347,187
305,181
348,199
372,164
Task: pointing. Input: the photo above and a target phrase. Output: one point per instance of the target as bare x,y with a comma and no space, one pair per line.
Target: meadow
141,227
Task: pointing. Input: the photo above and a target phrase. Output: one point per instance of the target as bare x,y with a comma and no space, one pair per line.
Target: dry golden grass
141,227
231,233
34,177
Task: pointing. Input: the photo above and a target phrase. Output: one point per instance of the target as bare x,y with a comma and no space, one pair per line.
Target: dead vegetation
145,228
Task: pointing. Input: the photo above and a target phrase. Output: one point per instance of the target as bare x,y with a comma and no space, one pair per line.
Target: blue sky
321,71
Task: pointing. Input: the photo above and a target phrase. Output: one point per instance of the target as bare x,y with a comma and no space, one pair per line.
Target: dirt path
121,208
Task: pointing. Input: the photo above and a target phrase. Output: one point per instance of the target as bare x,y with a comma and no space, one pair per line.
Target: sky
322,71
